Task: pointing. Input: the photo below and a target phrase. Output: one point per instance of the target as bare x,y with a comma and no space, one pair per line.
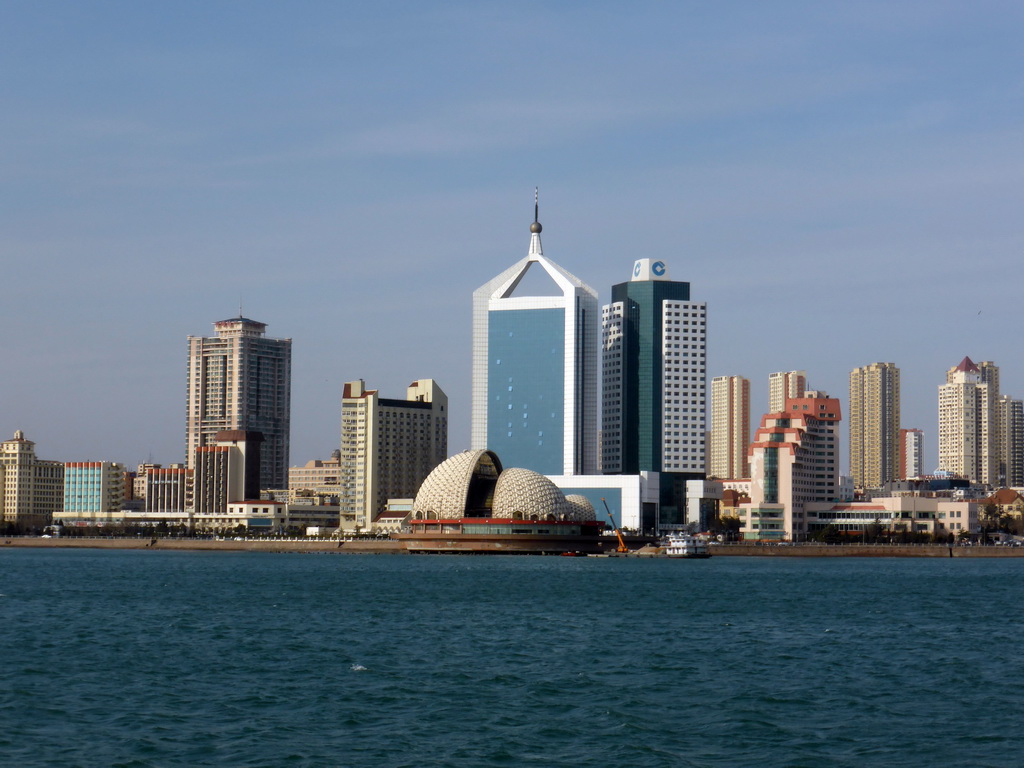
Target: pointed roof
967,366
503,286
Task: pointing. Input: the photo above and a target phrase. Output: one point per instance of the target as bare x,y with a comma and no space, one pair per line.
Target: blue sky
841,182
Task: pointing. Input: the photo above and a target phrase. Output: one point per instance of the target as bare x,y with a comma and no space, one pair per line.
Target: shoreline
390,546
862,550
361,546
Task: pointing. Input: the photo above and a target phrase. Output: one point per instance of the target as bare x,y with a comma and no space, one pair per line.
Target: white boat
686,545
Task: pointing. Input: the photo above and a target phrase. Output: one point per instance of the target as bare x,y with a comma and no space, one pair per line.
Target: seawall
361,546
863,550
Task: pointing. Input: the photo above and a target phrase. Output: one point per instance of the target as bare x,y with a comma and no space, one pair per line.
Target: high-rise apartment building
94,492
794,461
388,447
654,355
784,385
535,369
967,421
874,424
241,380
911,453
1010,441
31,489
730,427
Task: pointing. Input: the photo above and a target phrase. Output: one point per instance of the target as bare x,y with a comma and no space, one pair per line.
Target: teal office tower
654,384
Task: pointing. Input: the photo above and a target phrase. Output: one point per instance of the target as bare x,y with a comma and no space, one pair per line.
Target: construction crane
622,548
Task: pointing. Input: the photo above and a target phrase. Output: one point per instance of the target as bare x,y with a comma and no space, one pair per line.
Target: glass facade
526,388
642,365
771,475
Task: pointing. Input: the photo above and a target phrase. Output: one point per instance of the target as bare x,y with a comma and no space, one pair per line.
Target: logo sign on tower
649,269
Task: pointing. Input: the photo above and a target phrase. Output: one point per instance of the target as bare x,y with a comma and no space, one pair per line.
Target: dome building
470,503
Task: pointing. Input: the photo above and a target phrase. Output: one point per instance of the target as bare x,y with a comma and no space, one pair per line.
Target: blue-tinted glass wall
526,388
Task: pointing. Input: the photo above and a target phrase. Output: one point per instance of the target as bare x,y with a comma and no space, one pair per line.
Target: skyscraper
730,427
388,447
967,421
783,385
535,369
241,380
655,380
874,424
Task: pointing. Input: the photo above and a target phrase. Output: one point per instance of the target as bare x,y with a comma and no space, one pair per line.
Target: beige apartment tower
388,447
730,427
241,380
874,424
967,421
784,385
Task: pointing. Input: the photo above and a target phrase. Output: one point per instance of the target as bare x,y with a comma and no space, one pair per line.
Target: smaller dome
536,227
522,494
579,509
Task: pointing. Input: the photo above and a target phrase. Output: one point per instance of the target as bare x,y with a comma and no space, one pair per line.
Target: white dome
580,509
445,492
527,495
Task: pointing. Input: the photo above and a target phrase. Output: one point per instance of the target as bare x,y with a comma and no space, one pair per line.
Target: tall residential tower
730,427
967,421
874,424
783,385
241,380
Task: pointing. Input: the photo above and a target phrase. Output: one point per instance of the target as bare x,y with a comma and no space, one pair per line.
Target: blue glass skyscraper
535,369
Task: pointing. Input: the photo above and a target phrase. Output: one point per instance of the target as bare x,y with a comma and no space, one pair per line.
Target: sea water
149,658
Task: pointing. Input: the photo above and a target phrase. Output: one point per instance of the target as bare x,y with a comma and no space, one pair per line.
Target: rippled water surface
239,659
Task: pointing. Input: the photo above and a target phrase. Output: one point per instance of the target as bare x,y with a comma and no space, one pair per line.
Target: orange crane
622,548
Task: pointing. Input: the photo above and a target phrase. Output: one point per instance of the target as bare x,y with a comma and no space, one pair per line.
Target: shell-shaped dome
580,509
445,493
522,494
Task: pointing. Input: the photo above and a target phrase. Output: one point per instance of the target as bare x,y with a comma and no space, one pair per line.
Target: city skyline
833,171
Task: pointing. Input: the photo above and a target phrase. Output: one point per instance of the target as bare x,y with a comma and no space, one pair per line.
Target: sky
842,183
